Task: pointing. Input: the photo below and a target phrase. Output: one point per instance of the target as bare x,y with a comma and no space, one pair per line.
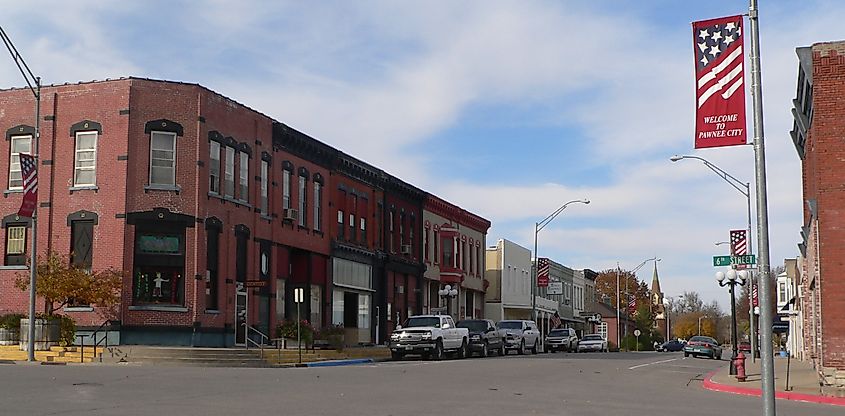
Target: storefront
352,299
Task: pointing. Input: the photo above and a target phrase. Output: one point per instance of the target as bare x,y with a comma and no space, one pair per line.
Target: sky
506,108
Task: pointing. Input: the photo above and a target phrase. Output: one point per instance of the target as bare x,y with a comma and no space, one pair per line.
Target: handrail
94,342
248,340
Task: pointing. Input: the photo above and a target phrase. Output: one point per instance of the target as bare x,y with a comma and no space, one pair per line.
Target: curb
709,384
338,363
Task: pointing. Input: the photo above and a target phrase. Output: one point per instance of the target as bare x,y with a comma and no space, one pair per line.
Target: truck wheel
438,351
484,351
521,350
464,351
396,356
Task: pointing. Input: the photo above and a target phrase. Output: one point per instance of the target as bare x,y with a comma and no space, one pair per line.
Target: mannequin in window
158,282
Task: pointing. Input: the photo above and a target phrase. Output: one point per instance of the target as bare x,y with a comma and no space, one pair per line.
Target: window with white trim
229,178
286,189
244,176
214,167
265,170
303,200
162,158
15,245
318,209
85,159
19,144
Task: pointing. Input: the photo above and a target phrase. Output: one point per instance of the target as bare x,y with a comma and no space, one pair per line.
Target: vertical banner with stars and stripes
739,245
543,266
719,93
30,185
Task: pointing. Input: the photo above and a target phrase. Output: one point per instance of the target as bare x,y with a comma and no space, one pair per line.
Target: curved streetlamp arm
743,187
542,224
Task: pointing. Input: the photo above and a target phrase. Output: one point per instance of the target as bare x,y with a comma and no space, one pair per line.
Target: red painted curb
709,384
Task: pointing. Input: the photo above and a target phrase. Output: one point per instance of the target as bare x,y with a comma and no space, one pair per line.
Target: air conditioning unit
406,249
291,214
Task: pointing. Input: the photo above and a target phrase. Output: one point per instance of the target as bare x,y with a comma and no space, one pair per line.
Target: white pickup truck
430,336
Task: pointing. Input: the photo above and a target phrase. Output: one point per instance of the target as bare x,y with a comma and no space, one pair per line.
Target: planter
47,333
9,336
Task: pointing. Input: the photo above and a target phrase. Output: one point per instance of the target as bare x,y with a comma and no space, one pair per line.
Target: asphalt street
545,384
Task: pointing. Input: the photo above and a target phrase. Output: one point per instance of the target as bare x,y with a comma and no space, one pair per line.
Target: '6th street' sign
731,260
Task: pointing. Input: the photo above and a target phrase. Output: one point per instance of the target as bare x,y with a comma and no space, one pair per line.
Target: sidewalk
803,382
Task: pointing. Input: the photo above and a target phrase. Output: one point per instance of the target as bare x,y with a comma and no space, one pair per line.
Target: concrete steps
196,357
54,355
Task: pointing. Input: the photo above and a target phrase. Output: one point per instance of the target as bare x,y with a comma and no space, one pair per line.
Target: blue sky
506,108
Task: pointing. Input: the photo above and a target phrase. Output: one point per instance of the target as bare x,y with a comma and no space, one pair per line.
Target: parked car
561,339
592,342
701,345
671,346
484,338
744,346
520,335
430,336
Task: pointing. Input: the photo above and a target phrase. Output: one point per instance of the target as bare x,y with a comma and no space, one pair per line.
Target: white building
787,293
509,294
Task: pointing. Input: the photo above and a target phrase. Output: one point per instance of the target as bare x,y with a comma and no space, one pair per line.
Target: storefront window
337,307
363,311
158,285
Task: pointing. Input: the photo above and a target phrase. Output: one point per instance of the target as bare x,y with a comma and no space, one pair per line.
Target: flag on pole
739,246
555,321
719,93
30,185
632,305
543,266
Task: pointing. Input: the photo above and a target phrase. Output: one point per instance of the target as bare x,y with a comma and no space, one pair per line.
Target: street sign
732,260
637,332
299,295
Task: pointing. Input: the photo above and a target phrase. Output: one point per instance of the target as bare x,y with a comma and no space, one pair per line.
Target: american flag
30,185
555,321
543,266
632,305
738,243
718,58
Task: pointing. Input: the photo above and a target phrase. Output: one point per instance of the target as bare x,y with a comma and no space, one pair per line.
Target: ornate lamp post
699,322
448,293
731,279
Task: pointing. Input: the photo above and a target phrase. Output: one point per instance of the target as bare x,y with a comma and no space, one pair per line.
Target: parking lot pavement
544,384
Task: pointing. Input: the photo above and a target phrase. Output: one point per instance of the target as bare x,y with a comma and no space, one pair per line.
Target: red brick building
819,128
216,211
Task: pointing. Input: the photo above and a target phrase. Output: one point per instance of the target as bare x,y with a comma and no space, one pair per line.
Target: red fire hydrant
739,363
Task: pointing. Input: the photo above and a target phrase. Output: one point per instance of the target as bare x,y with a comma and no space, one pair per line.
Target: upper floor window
244,176
390,225
352,210
85,159
303,200
286,189
20,144
265,170
411,232
162,158
340,229
426,237
214,167
362,219
436,243
318,208
229,173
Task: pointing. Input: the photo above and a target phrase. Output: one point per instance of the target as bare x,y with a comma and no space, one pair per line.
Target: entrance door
241,313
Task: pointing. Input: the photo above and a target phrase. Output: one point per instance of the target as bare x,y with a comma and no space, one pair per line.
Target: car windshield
593,338
422,321
510,325
559,333
475,326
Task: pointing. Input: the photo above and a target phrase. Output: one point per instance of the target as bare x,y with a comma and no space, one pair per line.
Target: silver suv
561,339
519,335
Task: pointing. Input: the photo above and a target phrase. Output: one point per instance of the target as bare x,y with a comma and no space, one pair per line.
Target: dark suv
483,336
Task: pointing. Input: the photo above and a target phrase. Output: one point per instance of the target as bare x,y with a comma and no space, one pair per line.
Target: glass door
241,313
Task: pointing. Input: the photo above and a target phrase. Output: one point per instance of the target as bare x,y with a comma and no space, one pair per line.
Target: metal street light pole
767,364
618,317
699,322
537,227
745,189
36,91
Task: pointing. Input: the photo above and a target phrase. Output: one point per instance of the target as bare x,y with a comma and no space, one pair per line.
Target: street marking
647,364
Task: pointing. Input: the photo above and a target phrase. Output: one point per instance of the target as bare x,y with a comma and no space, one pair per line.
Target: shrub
67,330
287,329
334,334
11,321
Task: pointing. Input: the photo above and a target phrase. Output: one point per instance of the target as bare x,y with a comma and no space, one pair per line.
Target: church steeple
655,282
